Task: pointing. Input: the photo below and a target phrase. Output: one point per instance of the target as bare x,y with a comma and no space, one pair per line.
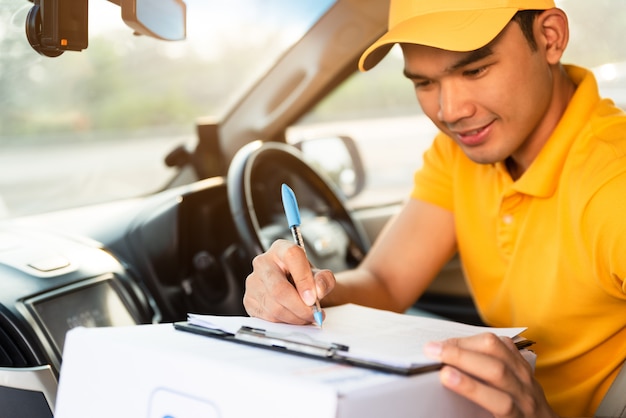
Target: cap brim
453,31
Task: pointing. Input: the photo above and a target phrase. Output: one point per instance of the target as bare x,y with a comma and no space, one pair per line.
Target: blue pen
293,219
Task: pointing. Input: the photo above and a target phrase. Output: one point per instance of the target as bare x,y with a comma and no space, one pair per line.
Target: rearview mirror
161,19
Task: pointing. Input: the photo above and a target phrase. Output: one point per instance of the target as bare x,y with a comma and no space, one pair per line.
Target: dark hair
525,19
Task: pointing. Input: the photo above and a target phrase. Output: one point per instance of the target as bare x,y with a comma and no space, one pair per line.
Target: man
526,181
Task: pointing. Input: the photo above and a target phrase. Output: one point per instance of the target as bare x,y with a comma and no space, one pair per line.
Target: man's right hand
283,286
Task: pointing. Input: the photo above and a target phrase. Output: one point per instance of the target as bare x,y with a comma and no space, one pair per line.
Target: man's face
493,102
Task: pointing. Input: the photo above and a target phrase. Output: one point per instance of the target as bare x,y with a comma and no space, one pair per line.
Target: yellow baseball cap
454,25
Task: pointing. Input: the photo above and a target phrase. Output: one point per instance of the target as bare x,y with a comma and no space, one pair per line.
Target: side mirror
339,158
161,19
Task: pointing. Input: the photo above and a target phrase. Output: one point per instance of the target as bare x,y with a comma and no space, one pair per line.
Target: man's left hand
491,372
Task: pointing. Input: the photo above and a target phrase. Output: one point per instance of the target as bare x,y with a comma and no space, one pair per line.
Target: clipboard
353,335
332,352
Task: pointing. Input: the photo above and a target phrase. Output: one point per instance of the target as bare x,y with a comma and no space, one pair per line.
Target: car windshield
73,129
95,126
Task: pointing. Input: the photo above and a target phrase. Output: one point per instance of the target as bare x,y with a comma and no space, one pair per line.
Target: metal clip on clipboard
298,343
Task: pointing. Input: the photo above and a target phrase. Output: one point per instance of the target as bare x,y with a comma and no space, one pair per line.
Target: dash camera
56,26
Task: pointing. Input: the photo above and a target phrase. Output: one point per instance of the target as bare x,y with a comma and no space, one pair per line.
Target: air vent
14,351
10,354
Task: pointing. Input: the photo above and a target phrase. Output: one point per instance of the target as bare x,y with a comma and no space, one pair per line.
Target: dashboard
52,283
141,261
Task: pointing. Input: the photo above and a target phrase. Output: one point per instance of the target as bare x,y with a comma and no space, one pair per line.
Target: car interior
188,247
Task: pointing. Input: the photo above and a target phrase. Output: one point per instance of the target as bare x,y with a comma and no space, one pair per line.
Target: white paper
372,334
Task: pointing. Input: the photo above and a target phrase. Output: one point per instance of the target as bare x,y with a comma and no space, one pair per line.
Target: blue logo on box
166,403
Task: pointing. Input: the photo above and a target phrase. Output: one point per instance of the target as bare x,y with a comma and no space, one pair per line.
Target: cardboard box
156,371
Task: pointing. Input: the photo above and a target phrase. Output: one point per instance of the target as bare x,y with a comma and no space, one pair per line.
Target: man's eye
420,84
474,72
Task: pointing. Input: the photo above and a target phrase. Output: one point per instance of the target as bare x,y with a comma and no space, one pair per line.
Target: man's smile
474,136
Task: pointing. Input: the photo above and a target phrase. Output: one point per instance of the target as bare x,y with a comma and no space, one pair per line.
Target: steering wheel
332,238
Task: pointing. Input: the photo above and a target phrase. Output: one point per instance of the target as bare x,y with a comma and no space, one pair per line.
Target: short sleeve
433,181
604,226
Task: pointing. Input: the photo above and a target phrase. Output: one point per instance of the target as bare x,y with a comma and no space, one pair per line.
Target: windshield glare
95,126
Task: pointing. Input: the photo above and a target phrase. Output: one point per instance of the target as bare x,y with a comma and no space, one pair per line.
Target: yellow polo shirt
548,251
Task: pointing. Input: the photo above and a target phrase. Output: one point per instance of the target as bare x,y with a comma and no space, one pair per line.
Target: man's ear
552,33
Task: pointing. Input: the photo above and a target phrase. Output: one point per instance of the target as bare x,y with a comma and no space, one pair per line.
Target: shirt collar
542,177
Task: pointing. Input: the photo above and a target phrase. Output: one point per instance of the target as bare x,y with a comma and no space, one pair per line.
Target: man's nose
454,102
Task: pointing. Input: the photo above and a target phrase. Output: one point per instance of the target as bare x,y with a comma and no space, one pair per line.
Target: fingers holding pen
324,282
269,294
282,286
298,269
310,282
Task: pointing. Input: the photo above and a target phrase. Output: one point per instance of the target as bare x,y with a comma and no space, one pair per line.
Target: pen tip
318,317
